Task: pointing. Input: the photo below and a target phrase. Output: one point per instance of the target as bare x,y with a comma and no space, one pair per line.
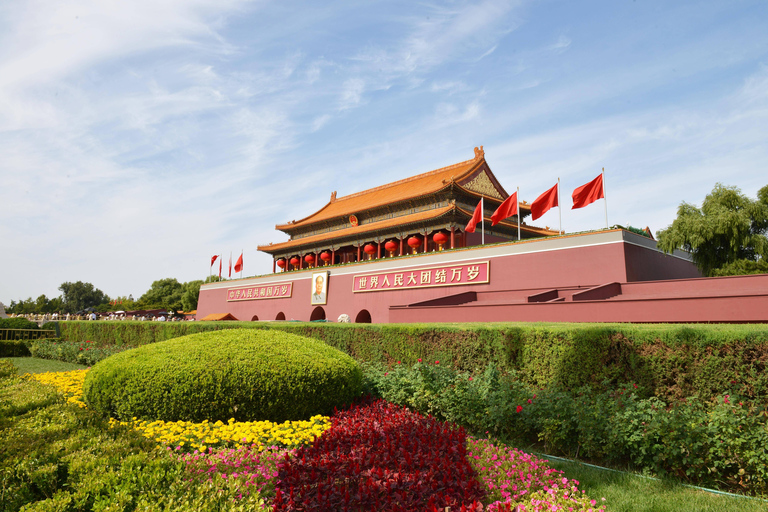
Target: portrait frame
319,299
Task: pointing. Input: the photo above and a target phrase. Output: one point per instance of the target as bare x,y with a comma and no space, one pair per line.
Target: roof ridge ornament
479,153
333,196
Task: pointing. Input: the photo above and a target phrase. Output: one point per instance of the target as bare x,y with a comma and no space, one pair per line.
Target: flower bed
375,456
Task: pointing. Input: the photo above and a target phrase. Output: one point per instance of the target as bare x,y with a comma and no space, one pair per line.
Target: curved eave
390,193
358,231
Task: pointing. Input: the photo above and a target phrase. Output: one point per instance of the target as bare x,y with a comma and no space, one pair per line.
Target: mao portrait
319,288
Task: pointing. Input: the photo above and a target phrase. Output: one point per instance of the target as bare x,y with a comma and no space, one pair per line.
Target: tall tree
190,295
79,296
728,228
164,293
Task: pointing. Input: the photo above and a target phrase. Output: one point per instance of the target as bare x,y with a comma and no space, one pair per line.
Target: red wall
572,261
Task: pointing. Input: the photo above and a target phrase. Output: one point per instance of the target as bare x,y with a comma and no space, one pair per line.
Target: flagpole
559,208
605,201
241,265
482,219
518,213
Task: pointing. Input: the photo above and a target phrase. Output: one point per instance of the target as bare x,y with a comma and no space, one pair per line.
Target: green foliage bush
243,374
60,457
6,369
719,442
17,323
13,348
671,361
86,353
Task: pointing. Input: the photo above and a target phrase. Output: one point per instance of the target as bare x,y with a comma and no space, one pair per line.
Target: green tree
190,295
79,296
728,228
164,293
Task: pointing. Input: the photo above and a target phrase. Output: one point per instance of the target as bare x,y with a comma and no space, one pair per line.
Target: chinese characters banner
269,291
448,275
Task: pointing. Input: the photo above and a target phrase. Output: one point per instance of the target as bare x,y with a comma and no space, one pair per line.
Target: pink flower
419,359
470,378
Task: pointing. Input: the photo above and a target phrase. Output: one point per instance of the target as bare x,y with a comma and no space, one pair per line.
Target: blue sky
137,139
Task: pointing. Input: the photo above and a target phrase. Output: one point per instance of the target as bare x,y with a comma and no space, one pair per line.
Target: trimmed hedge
13,348
243,374
17,323
669,360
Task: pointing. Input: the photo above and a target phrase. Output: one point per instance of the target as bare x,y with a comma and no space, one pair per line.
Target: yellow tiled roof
394,192
358,230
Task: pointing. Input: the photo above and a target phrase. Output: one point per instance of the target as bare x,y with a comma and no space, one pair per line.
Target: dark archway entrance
255,318
317,314
280,316
363,317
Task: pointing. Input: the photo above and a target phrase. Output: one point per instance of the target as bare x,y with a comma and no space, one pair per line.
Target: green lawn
35,365
625,492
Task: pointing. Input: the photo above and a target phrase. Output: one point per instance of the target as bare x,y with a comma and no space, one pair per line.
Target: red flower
398,362
470,378
529,401
419,359
519,408
437,362
81,348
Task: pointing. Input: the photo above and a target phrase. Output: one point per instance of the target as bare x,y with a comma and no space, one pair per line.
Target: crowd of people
149,317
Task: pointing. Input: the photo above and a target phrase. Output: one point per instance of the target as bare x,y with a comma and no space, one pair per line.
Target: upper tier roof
408,188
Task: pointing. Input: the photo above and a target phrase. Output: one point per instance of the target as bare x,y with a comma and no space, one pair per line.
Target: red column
401,247
358,253
378,245
333,256
426,243
452,230
274,265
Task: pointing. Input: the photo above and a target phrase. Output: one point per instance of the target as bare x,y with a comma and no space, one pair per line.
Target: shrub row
243,374
14,348
670,361
719,443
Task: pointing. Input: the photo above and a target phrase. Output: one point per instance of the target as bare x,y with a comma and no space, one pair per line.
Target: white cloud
352,93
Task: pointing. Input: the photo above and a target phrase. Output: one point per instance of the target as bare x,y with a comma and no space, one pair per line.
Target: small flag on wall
239,263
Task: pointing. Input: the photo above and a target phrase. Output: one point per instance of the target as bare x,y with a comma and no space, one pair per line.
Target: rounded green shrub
245,374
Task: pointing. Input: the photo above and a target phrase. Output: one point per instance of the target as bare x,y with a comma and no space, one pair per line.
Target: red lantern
439,239
281,263
325,256
414,242
391,246
295,261
369,250
309,259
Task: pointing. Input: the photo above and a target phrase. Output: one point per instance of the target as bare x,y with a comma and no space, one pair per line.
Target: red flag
213,259
239,263
219,269
507,209
230,264
544,202
476,217
589,193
